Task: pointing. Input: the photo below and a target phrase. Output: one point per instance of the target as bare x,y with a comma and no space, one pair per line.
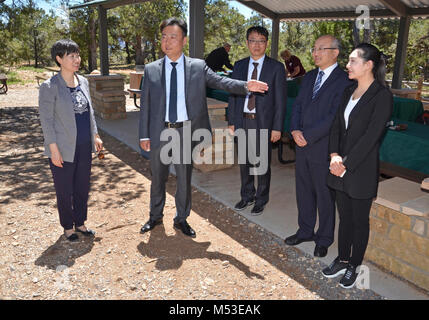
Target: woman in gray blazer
70,135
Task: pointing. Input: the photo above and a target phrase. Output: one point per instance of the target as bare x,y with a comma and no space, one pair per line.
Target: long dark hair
369,52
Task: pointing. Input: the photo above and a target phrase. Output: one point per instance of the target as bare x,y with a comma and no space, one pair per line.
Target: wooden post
401,52
275,38
104,50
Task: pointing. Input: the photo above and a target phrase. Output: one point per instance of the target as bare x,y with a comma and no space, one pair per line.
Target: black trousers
72,187
248,191
314,199
353,232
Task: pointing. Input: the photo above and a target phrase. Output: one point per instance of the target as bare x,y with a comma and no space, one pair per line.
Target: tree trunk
139,52
127,50
356,35
92,29
153,50
36,53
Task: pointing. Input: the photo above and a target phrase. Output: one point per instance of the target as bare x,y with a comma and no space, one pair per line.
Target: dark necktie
317,83
252,98
172,108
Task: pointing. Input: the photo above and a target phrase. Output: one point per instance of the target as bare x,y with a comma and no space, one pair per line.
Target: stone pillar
108,96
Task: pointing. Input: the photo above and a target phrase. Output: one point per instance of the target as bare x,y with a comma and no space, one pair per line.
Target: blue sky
56,3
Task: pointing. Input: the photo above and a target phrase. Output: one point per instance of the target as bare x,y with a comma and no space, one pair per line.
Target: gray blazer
197,76
57,116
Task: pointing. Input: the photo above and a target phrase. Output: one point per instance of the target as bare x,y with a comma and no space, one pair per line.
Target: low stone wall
399,238
108,96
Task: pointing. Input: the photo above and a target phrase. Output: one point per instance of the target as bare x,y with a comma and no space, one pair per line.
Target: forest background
27,32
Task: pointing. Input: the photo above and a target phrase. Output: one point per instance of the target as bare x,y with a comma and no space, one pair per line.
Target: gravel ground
231,258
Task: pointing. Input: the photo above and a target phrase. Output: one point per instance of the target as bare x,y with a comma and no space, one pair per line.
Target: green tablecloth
407,109
408,148
293,87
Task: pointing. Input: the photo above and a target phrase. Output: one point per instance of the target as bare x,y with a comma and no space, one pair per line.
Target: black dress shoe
320,251
150,225
257,209
243,204
73,237
294,240
88,232
186,228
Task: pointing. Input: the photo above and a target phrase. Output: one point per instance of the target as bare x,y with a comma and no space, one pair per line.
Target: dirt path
231,258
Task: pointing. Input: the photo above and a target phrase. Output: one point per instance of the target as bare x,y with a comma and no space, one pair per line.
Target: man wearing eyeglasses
263,113
312,116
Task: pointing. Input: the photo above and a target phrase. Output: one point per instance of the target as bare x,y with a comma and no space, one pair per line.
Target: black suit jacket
359,144
314,117
271,105
218,58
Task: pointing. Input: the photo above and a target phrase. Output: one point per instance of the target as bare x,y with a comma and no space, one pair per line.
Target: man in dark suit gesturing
174,96
312,116
258,112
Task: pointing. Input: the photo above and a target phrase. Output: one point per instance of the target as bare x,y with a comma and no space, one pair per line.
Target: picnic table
46,76
3,83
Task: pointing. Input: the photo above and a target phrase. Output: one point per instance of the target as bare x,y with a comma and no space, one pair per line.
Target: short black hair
258,29
63,47
175,21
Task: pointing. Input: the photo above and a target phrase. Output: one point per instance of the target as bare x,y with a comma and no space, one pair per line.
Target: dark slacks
72,187
160,173
313,196
248,191
353,232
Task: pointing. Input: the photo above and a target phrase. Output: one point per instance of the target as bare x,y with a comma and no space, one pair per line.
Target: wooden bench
392,170
3,82
42,77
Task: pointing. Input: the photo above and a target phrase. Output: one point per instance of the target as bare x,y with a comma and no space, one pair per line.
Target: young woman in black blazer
354,143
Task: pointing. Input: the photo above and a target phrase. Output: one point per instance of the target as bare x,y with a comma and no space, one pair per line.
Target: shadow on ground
178,248
289,260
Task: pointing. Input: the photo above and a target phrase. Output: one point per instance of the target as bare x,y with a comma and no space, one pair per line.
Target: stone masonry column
108,96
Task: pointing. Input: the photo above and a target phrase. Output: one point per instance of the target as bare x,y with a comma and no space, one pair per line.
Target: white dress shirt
327,72
182,114
260,62
349,108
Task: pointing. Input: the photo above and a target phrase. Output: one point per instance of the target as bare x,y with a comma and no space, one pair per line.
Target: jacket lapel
161,69
66,97
332,77
187,70
367,96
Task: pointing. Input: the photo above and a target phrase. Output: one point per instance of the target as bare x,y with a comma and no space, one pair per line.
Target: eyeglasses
321,49
252,41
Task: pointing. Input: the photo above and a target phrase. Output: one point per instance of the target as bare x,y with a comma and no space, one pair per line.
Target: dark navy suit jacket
271,105
314,117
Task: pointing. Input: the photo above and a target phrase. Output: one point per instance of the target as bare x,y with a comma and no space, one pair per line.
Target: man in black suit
219,57
174,97
263,113
312,116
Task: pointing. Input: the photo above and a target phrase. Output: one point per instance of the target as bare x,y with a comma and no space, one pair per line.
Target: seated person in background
293,64
219,57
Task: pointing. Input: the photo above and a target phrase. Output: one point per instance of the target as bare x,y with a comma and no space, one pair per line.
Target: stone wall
399,242
108,96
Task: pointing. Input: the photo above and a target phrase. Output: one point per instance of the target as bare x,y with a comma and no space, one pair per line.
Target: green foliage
28,32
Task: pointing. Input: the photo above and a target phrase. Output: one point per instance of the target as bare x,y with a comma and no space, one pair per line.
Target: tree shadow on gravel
290,261
178,248
65,253
25,172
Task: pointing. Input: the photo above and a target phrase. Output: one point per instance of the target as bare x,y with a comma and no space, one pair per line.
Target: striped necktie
317,84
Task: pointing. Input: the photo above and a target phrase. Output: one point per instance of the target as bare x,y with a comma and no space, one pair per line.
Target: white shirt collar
329,70
179,61
260,60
